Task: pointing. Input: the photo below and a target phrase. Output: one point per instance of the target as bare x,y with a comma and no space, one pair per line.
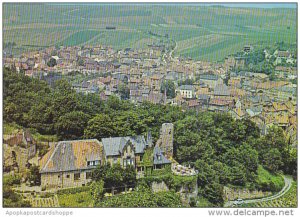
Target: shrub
73,190
267,181
12,180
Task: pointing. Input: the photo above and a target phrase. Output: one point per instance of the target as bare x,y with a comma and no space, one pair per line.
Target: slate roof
256,109
186,87
154,98
114,145
203,97
209,77
71,155
221,90
258,98
156,152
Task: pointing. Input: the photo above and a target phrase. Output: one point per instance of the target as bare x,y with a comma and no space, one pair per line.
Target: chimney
149,138
165,96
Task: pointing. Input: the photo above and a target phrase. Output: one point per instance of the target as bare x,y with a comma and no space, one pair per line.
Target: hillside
205,33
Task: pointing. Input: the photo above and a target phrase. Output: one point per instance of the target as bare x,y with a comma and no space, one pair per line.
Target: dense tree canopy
169,86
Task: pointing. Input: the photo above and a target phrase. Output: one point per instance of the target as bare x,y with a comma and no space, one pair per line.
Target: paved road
287,186
171,52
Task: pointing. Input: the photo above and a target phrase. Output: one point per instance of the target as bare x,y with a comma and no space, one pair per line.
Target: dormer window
159,157
94,163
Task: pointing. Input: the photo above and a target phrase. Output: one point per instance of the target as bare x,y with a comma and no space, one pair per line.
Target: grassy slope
12,128
82,199
265,177
229,28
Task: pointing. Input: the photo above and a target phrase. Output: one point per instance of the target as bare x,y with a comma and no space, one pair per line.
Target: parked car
238,202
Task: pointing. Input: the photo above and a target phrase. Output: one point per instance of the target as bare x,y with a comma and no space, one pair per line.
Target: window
58,176
88,175
158,157
159,166
141,158
127,161
76,176
115,160
68,176
94,163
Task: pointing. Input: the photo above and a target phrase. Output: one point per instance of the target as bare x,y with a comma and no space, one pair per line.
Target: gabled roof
114,145
209,77
221,90
203,97
71,155
186,87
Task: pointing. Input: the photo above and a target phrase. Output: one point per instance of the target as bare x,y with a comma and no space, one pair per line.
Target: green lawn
81,199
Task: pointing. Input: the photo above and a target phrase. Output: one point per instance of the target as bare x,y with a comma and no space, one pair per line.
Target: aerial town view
149,105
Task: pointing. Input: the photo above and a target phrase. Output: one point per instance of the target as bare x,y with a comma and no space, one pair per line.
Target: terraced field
205,33
49,202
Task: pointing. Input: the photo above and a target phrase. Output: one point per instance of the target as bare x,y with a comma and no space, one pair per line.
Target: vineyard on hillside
49,202
287,200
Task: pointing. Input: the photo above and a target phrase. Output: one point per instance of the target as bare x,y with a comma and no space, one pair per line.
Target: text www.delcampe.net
251,212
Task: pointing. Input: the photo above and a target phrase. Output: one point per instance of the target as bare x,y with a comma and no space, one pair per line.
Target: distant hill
207,33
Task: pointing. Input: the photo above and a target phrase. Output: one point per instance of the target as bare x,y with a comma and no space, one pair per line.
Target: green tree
124,91
272,160
52,62
71,125
214,193
97,191
129,176
34,176
238,176
101,126
169,86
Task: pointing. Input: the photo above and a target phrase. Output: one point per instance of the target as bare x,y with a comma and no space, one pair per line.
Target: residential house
253,111
70,163
211,80
248,48
237,113
221,90
219,105
204,101
187,91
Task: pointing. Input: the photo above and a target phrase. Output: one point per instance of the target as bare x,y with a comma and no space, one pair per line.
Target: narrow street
287,185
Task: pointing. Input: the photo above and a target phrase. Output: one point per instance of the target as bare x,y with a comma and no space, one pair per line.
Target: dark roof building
71,155
209,77
159,158
114,145
221,90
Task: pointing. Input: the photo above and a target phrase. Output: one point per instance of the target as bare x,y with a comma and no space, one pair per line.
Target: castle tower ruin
165,141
